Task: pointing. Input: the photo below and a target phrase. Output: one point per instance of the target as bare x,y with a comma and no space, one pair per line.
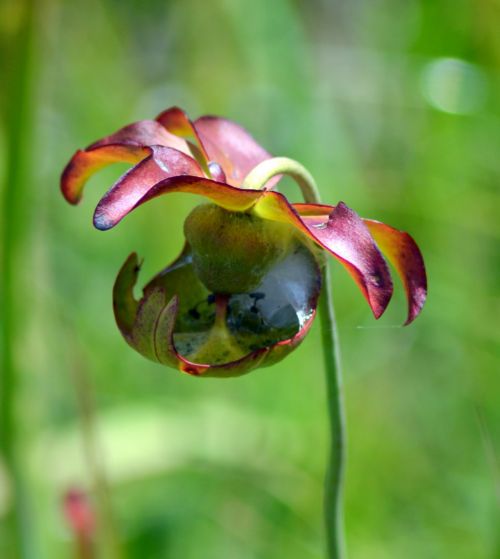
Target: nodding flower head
243,292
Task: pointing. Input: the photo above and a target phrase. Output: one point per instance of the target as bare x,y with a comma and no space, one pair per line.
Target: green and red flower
243,293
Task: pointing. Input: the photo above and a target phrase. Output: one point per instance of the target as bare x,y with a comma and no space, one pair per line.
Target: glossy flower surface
243,293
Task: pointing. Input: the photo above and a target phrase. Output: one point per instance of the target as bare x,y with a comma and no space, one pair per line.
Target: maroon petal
404,254
399,247
142,133
231,146
163,162
129,144
110,211
345,235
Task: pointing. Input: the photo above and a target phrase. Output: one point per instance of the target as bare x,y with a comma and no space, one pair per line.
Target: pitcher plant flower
246,287
244,291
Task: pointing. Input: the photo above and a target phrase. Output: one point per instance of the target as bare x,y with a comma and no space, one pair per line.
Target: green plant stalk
17,68
334,479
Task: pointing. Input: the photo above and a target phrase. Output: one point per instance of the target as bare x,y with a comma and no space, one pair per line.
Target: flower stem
334,480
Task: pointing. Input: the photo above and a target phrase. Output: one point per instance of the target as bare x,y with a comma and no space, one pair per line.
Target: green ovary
232,251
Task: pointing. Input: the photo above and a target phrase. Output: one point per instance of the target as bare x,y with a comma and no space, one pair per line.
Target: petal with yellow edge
399,248
129,145
403,253
113,210
176,121
342,233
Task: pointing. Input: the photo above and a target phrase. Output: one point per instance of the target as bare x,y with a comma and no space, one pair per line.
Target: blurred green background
394,108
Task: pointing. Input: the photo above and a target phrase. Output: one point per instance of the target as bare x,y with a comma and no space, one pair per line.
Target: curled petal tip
162,163
102,222
73,197
419,297
343,233
398,246
130,144
174,118
403,253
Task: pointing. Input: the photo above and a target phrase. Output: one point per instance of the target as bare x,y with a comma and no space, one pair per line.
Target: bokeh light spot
454,86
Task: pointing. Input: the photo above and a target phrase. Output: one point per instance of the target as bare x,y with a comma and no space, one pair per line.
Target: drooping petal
111,211
400,249
163,162
343,234
403,253
346,236
84,164
129,145
266,203
231,146
142,133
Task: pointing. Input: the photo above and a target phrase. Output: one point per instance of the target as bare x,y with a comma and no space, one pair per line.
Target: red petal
142,133
400,249
345,235
123,196
404,254
342,232
228,197
85,163
129,144
231,146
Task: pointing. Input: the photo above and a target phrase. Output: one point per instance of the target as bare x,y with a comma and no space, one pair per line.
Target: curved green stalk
334,480
269,168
